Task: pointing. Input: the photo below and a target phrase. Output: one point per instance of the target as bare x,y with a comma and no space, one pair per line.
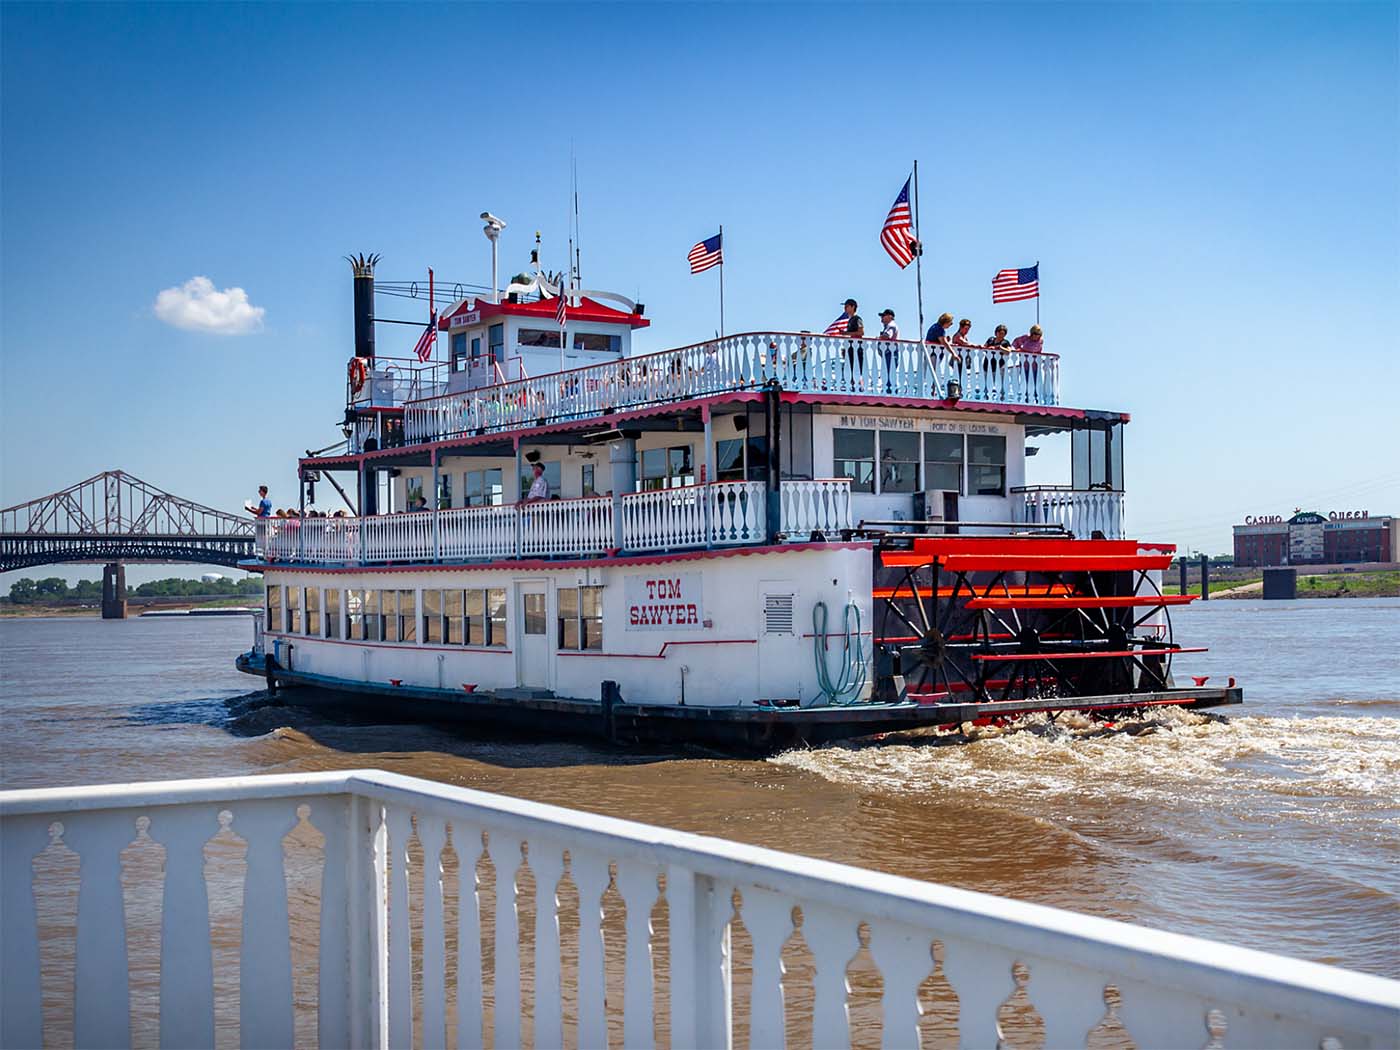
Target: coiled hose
850,680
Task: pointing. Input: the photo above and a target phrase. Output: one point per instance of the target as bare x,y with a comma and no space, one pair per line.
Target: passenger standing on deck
999,340
855,330
963,336
264,508
889,332
539,488
1031,343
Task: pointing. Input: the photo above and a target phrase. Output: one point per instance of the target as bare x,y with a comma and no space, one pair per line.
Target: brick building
1310,538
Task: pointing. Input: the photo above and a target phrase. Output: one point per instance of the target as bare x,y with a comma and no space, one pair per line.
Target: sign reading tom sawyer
663,601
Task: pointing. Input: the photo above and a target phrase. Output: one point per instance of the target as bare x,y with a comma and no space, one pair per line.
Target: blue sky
1211,191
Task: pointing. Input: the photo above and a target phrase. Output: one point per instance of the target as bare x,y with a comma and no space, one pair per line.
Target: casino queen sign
1307,517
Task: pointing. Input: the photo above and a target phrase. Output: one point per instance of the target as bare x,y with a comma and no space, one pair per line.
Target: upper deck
798,362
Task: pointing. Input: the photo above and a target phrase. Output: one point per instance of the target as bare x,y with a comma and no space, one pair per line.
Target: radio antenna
576,239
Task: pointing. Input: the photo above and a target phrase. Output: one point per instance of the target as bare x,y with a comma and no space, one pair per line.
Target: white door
533,654
780,648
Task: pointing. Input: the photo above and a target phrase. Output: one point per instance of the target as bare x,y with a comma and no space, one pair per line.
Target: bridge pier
114,591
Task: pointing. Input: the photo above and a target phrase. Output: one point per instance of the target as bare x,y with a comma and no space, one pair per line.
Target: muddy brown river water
1276,826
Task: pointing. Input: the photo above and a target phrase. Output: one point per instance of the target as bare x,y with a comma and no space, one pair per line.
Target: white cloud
200,307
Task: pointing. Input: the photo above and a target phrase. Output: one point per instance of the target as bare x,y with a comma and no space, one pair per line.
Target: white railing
800,362
349,909
566,526
477,532
822,505
1081,511
724,513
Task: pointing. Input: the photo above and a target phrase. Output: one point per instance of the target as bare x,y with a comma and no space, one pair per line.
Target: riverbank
84,607
1323,585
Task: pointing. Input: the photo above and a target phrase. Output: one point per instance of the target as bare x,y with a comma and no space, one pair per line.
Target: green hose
851,679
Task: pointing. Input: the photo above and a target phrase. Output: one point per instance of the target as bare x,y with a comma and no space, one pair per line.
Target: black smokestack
363,266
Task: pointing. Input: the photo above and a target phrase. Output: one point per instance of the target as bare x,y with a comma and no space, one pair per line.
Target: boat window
986,465
899,461
413,492
432,617
444,492
374,626
854,456
313,611
477,626
408,617
355,615
597,341
587,483
452,617
389,609
551,475
496,611
667,468
459,351
476,349
332,612
580,617
483,488
533,611
756,451
729,459
539,337
943,462
293,607
274,608
496,340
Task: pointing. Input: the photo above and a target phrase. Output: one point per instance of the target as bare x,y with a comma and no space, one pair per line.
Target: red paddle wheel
999,618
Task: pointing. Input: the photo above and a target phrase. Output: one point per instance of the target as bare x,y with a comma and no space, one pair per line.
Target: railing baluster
833,940
21,998
186,959
547,862
265,968
590,875
400,959
767,917
466,839
101,1008
637,884
432,833
505,855
902,953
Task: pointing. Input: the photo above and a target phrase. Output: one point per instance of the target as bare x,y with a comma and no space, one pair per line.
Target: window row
893,461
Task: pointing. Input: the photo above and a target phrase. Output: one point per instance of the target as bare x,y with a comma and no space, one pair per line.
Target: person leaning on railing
937,337
1033,342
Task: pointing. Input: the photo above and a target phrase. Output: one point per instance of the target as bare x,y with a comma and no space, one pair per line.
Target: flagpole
1037,292
721,279
432,307
918,259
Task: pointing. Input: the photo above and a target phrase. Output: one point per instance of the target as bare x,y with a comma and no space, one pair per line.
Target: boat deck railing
349,909
799,361
718,514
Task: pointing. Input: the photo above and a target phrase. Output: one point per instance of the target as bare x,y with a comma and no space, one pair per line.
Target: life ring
359,372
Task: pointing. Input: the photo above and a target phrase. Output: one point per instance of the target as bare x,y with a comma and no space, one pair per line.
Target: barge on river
760,540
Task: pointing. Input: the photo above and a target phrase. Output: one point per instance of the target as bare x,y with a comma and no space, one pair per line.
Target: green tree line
26,591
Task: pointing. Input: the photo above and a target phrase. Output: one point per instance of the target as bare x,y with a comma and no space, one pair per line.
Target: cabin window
587,485
551,475
986,465
332,613
355,615
667,468
413,492
899,461
854,454
476,349
483,488
432,617
729,459
452,612
547,337
389,610
374,625
598,342
477,626
496,343
580,617
293,607
444,492
313,611
943,462
459,351
532,609
496,615
274,609
408,616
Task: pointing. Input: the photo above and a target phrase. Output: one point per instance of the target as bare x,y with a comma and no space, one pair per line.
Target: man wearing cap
855,328
890,329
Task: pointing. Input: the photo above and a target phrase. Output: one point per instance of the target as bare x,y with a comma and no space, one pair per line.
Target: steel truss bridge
114,517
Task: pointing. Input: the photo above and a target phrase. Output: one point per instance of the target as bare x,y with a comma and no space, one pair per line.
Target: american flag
427,340
706,254
838,326
561,312
1011,286
897,236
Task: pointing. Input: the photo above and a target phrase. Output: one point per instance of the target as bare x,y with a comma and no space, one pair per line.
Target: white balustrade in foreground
1081,511
351,909
720,514
800,362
